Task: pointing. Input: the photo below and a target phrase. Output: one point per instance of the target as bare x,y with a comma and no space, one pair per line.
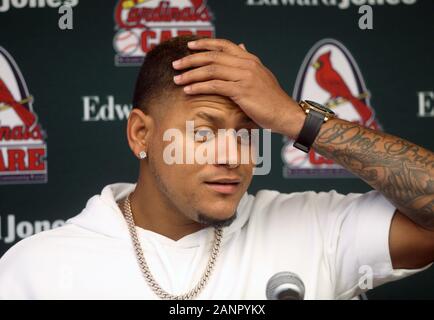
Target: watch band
310,130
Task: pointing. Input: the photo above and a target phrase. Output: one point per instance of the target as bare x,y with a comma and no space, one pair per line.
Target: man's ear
139,130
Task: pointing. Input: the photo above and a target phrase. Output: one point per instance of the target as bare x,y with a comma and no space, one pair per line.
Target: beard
213,222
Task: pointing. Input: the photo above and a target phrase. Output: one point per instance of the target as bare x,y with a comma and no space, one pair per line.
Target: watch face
319,106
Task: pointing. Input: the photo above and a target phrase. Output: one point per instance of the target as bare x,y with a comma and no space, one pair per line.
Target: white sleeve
11,278
23,269
357,241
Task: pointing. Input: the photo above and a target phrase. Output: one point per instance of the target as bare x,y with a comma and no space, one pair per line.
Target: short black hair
155,79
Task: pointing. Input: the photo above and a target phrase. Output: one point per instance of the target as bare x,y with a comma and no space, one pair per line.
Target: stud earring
142,154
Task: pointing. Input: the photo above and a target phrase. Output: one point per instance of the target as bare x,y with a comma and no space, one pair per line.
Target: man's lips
225,185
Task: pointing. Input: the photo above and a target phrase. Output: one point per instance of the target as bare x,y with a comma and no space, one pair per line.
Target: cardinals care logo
329,75
143,24
22,146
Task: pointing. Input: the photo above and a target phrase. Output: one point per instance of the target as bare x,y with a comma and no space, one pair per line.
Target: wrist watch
316,115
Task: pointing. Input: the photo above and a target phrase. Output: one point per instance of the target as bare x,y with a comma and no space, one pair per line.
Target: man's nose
227,149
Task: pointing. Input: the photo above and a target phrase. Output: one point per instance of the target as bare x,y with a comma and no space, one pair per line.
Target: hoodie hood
103,216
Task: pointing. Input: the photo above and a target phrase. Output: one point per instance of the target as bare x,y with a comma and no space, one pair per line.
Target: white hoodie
331,241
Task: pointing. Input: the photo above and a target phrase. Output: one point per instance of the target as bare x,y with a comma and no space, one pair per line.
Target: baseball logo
126,42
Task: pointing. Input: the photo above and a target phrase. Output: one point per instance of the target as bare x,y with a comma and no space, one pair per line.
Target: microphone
285,285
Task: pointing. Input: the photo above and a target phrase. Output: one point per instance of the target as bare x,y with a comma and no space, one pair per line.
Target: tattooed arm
402,171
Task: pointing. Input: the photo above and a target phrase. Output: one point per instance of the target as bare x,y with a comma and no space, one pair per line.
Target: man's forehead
194,103
210,107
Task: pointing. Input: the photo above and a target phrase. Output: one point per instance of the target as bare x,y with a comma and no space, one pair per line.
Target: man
190,230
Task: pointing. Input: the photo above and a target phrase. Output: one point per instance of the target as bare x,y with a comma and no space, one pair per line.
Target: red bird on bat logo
23,150
330,76
7,100
331,81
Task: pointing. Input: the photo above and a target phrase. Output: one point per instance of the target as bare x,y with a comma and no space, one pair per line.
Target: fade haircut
155,80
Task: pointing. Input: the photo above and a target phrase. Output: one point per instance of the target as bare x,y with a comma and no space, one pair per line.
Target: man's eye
204,134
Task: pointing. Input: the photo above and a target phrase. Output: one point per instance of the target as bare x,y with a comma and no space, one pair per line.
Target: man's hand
229,70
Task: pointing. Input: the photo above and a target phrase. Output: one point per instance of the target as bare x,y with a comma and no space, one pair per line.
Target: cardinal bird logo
22,146
329,75
7,101
331,81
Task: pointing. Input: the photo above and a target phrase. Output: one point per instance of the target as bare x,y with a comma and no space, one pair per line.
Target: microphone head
285,286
